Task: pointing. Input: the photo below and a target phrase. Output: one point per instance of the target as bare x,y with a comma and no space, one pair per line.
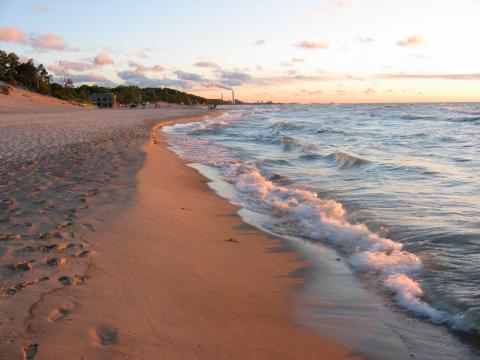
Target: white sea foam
302,213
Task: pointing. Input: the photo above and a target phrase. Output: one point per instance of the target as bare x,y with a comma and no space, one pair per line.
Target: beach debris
231,239
28,249
57,235
29,351
5,219
22,266
56,261
43,278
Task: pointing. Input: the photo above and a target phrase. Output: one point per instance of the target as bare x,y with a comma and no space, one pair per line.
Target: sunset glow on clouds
309,51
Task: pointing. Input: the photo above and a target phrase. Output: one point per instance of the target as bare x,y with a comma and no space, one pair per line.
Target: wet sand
114,249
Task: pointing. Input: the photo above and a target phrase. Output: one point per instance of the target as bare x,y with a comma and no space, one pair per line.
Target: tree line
36,78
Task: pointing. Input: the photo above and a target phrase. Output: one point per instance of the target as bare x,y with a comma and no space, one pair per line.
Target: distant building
104,100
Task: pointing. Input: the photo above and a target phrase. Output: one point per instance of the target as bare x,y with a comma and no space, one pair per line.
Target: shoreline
151,292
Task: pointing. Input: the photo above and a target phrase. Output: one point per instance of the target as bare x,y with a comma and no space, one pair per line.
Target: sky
302,51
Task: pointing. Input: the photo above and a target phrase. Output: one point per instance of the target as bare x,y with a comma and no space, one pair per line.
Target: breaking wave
302,213
345,160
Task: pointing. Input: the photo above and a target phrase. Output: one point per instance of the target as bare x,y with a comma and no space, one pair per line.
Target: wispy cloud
12,34
259,42
311,45
233,78
206,64
216,85
471,76
41,7
365,40
298,59
413,40
342,5
103,59
183,75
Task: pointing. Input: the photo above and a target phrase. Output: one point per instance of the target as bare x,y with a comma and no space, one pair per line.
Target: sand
113,248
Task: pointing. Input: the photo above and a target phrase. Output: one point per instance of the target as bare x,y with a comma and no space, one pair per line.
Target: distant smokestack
222,96
233,97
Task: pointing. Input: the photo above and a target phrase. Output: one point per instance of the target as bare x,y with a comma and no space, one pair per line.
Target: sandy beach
113,248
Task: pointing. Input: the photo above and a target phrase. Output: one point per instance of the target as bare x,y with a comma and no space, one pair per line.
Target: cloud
365,40
92,78
140,79
233,78
342,5
74,65
286,63
157,68
103,59
307,12
413,40
12,34
369,91
41,7
206,64
259,42
182,75
311,45
471,76
298,59
48,41
216,85
258,67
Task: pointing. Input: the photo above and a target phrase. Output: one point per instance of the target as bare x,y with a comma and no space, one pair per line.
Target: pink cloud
12,34
311,45
73,65
413,40
158,68
342,4
49,41
207,64
296,59
103,59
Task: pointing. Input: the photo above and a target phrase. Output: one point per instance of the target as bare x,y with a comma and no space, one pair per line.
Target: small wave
209,127
289,144
345,160
415,117
282,125
466,119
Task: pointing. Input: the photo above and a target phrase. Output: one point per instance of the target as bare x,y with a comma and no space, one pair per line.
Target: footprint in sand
29,351
88,227
62,311
104,335
56,261
68,280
